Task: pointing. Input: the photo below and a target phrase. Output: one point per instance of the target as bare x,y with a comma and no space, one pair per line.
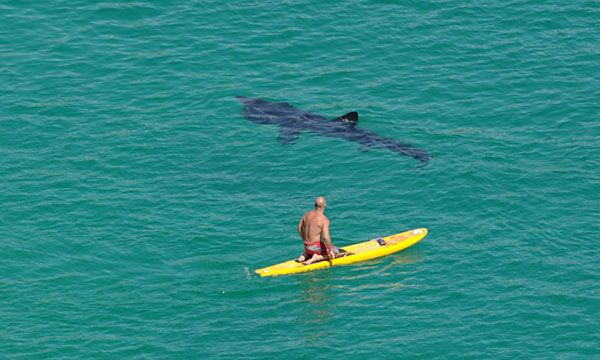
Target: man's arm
327,238
301,228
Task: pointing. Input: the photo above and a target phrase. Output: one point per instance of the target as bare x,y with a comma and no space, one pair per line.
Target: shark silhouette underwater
293,121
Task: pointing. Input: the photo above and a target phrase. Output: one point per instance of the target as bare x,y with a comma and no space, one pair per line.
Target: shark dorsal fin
350,118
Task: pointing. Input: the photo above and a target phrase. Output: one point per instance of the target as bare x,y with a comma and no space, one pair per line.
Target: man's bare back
314,230
313,225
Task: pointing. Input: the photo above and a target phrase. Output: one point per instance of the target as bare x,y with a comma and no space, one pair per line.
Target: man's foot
313,259
301,258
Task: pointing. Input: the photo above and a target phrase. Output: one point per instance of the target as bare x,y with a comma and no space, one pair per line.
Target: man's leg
313,259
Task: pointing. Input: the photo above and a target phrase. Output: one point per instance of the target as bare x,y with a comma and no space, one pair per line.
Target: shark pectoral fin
287,135
351,118
366,146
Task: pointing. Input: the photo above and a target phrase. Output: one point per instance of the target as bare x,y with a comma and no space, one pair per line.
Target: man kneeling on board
314,230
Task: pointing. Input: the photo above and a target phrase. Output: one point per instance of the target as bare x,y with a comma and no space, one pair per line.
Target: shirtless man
314,230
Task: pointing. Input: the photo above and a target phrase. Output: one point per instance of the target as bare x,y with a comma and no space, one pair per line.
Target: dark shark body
293,121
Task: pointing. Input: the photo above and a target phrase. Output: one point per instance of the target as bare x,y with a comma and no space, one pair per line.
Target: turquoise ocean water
137,201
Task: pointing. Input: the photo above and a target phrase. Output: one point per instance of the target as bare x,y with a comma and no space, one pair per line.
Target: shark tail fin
351,118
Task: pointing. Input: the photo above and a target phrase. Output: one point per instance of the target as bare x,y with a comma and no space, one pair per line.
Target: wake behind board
357,252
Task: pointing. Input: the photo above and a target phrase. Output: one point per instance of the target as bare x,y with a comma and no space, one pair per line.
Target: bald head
320,202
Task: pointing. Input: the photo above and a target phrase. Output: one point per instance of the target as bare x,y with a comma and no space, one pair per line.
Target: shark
292,122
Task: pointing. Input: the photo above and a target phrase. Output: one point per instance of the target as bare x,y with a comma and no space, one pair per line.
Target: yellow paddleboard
359,252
